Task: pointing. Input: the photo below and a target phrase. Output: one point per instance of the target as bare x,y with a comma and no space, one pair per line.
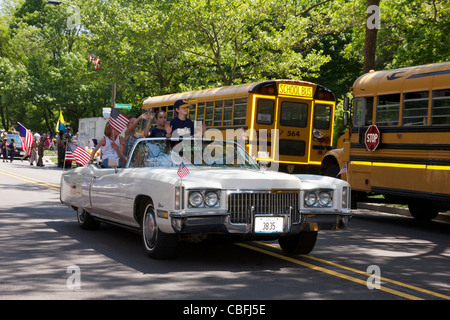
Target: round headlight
324,199
310,199
211,199
195,199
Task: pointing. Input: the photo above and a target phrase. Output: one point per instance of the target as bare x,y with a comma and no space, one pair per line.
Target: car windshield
192,152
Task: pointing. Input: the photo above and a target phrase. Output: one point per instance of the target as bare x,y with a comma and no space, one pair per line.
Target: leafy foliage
156,47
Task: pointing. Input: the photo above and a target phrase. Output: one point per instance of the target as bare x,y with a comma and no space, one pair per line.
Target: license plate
268,224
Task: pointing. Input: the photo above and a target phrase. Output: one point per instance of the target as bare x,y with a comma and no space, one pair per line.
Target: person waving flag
26,138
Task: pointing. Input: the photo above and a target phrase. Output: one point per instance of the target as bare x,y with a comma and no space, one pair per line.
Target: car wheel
302,243
157,244
85,220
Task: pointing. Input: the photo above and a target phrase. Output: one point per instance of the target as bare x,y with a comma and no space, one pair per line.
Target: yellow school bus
299,113
399,143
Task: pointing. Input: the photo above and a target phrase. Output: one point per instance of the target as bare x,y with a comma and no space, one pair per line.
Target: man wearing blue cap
181,126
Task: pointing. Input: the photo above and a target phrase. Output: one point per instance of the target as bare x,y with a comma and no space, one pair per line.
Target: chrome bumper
185,223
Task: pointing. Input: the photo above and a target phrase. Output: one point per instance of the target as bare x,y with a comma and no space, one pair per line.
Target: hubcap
81,215
150,229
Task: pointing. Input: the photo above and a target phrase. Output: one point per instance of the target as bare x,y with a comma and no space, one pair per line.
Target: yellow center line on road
328,271
32,180
439,295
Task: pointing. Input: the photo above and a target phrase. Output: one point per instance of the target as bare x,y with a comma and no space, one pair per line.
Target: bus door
321,130
294,132
264,120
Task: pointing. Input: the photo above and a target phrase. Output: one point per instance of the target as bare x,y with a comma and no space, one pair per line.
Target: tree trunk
370,44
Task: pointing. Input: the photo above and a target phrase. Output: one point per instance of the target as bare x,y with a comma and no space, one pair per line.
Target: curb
442,216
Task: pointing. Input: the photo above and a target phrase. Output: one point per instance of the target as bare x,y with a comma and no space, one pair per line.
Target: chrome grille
274,202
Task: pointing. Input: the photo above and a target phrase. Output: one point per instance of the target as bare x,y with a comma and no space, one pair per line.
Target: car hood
227,178
310,181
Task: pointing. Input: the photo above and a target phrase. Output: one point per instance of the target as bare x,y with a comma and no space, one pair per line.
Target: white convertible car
170,190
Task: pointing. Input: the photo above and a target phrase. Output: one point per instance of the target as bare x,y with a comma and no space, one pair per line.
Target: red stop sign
372,138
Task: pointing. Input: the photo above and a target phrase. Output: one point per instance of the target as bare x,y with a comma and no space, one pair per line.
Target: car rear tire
85,220
302,243
157,244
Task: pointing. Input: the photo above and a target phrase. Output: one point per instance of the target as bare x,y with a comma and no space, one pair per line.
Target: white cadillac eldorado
220,191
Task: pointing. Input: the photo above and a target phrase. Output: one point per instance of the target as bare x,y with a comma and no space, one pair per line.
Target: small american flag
343,170
183,171
118,121
26,138
81,156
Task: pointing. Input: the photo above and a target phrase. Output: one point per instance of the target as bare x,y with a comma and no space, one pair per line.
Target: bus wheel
331,171
302,243
422,210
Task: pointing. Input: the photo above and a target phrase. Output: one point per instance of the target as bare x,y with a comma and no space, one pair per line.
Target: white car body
240,200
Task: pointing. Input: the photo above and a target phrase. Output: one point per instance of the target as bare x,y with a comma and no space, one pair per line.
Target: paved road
45,255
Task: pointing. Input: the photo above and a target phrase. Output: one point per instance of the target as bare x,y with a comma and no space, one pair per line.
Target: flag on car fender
183,171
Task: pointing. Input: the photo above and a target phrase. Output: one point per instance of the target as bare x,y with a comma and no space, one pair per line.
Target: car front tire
157,244
302,243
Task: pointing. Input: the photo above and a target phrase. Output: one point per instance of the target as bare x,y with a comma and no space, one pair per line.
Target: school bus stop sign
372,138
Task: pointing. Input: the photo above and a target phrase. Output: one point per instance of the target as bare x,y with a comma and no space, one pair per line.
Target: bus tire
302,243
422,210
332,171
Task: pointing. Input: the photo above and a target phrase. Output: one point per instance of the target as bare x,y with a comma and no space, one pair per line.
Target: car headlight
204,198
195,199
318,199
324,199
211,199
310,199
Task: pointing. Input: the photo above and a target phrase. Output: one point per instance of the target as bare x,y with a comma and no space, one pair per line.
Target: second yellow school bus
407,113
302,113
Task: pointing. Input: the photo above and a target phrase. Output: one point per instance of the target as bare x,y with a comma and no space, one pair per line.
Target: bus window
363,111
415,109
292,148
209,109
388,110
265,111
200,111
294,114
191,112
228,113
240,111
441,107
170,113
218,113
322,114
